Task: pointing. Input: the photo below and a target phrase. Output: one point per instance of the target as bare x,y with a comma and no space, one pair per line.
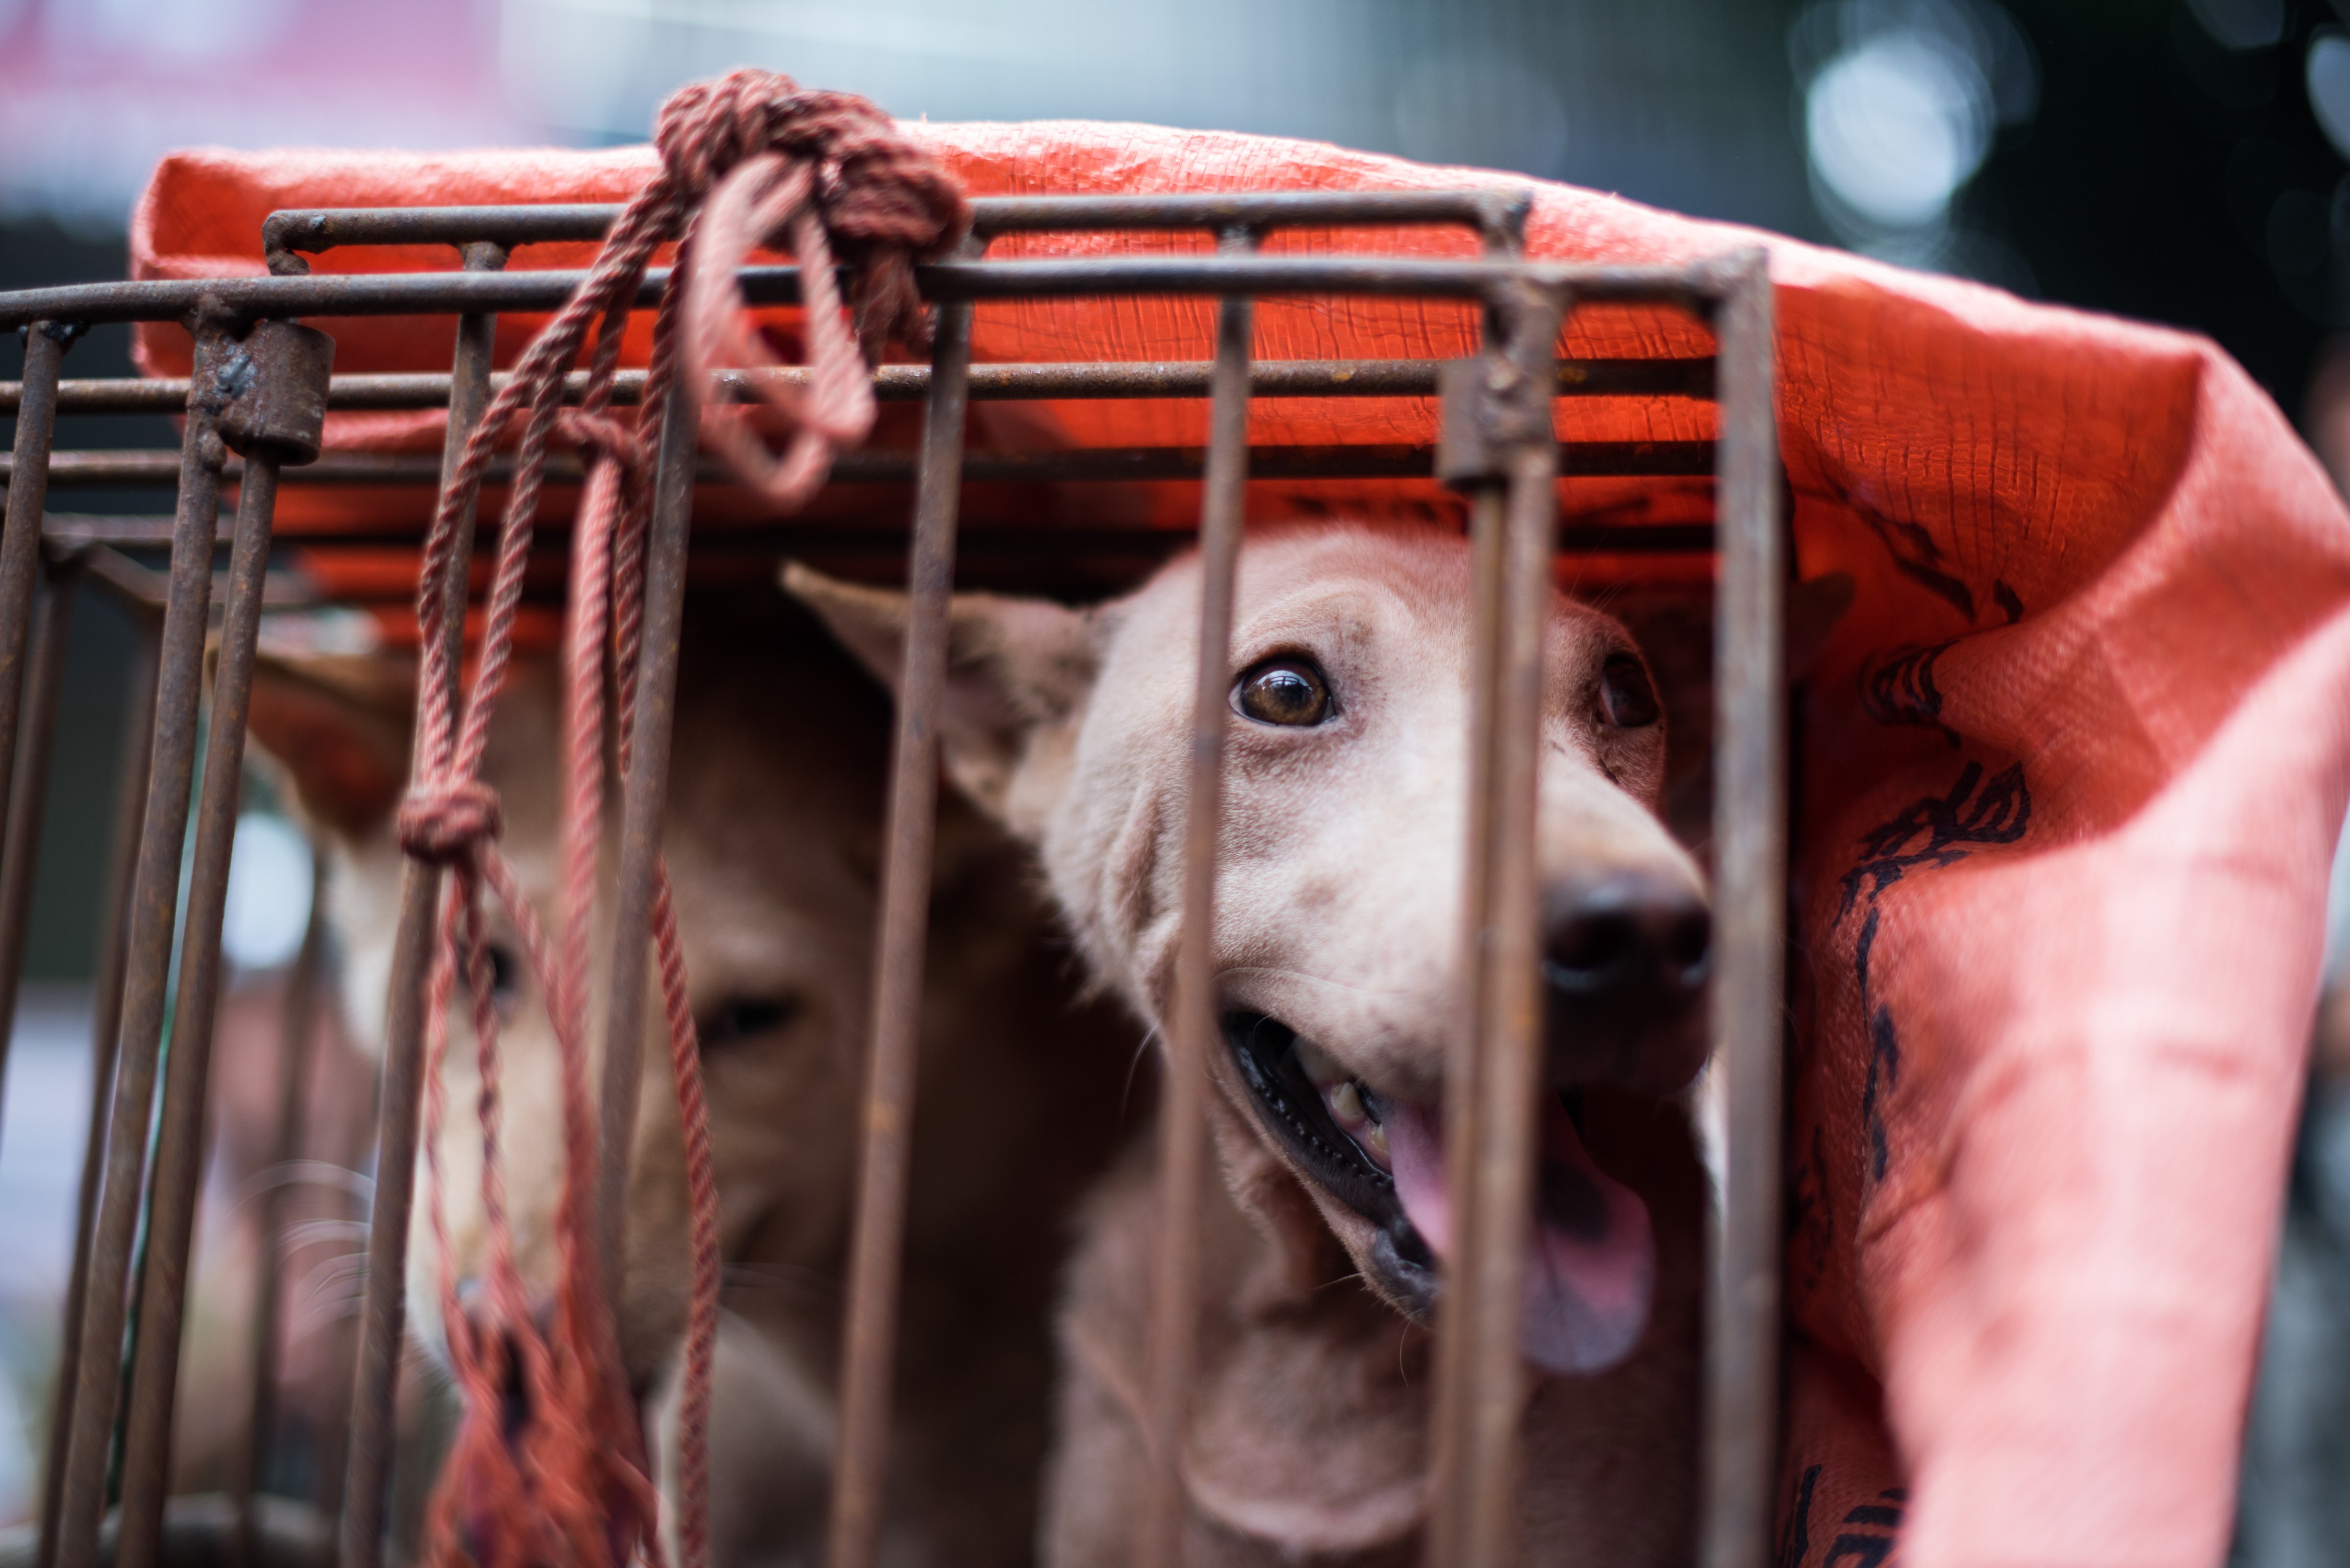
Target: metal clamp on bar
269,392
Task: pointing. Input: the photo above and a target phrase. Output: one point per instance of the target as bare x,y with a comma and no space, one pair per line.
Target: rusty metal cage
253,409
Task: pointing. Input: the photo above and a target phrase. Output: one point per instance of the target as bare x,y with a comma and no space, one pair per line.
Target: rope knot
599,435
440,823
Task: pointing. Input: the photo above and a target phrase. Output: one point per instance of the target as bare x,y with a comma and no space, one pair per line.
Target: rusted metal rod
153,906
423,293
20,553
298,1051
1084,379
1616,459
400,1095
84,530
1492,1079
869,1325
105,1019
1191,1040
1749,997
644,803
316,230
180,1140
29,801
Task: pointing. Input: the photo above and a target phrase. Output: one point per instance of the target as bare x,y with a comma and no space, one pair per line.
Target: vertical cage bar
869,1329
106,1020
20,549
296,1051
1749,837
1489,1111
399,1095
179,1142
644,802
147,967
28,800
1191,1041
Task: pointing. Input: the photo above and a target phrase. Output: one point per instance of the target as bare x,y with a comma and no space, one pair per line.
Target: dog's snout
1624,958
1627,933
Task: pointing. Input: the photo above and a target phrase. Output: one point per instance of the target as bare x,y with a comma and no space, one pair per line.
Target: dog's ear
1016,669
338,726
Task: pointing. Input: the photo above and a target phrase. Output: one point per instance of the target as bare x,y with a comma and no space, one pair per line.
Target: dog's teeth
1374,1139
1346,1105
1324,1073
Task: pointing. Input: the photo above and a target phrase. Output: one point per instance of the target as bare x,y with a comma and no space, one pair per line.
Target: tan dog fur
772,836
1338,909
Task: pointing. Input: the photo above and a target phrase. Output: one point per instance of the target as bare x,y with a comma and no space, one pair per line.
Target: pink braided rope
571,1487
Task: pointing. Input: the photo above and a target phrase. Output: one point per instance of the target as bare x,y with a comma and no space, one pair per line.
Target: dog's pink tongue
1593,1262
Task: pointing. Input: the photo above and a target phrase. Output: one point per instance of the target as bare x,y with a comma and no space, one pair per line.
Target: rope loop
443,824
883,200
748,158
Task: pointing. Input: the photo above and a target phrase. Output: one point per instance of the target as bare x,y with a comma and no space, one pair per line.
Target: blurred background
2183,161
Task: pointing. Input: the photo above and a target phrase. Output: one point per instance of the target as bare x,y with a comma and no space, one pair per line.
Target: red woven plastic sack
2071,769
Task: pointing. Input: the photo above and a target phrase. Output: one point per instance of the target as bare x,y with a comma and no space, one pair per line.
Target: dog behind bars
1341,872
773,841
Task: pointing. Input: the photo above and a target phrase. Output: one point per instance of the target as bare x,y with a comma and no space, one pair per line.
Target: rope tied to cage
744,158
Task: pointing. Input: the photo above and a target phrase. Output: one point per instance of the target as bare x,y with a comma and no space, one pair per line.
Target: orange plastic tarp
2071,772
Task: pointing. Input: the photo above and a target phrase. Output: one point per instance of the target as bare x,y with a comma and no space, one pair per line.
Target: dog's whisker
1126,1094
356,1184
1313,979
310,1232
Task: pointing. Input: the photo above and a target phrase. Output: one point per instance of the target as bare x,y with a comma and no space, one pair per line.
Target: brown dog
1338,897
772,837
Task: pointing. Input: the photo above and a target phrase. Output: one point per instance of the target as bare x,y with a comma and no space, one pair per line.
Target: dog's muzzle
1624,961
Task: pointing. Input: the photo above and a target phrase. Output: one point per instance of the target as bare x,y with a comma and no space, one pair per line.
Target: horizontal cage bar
1690,377
1693,288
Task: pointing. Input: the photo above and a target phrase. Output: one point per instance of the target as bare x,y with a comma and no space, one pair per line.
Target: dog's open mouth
1591,1263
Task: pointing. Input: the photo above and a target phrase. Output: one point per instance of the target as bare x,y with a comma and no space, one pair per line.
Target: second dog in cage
773,840
1346,803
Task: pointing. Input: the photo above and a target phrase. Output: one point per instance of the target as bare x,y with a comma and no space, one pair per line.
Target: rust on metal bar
1190,1043
421,293
318,229
297,1050
93,531
869,1323
366,1478
1676,376
28,799
179,1139
1748,1001
272,408
153,905
20,553
1494,1072
644,801
105,1019
1615,459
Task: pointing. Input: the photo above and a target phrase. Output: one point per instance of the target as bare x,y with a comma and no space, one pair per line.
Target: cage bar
869,1320
1191,1040
399,1095
146,970
1516,532
105,1019
1749,994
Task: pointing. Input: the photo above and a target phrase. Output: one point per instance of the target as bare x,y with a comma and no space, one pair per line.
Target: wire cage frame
253,407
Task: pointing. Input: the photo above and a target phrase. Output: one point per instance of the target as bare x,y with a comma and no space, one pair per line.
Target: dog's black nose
1623,957
1626,933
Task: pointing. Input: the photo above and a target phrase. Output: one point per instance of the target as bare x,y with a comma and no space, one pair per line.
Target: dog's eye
1286,690
1625,694
742,1018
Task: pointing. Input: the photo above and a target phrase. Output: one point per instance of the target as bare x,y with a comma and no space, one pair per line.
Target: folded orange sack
2071,772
